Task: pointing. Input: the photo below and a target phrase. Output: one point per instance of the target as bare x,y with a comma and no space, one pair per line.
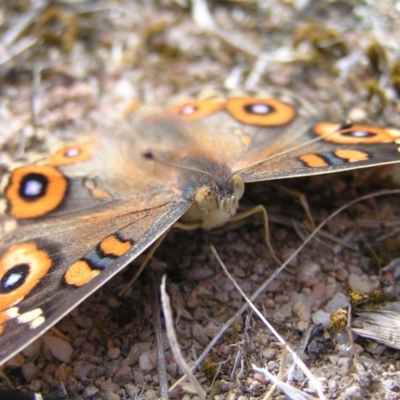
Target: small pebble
302,326
61,373
84,321
255,386
269,353
60,349
148,360
199,334
339,300
36,385
90,391
322,317
259,377
132,391
309,274
138,378
302,310
109,386
32,349
82,369
136,350
110,395
360,283
239,272
283,313
342,274
318,291
353,393
114,353
123,376
226,386
29,371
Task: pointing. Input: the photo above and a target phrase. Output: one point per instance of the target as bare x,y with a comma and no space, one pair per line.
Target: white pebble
360,283
322,317
148,360
338,301
59,348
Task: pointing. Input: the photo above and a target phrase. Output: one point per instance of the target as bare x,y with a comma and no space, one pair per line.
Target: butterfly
74,216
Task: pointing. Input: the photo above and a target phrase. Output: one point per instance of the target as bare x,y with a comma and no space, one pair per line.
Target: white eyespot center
12,280
260,109
72,152
33,188
360,134
187,110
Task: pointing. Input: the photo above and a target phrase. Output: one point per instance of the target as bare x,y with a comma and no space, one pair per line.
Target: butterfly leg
147,258
259,209
302,200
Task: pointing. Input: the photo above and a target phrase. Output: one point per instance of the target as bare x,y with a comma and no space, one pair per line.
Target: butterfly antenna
149,155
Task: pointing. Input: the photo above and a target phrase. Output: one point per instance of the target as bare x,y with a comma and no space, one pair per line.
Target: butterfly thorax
215,192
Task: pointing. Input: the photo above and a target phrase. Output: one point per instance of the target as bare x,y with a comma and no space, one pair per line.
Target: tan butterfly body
76,216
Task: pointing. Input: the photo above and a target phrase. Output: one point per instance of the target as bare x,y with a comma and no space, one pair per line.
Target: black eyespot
258,109
33,186
359,134
14,278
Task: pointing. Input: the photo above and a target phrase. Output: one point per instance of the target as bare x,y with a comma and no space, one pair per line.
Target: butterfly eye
239,186
71,154
34,191
197,109
261,112
355,134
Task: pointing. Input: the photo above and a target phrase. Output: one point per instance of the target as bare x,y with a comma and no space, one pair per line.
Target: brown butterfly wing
69,226
264,138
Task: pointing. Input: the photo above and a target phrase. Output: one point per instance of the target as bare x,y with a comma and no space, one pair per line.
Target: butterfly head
215,193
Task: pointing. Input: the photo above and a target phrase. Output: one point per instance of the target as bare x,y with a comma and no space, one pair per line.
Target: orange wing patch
313,161
80,273
352,156
114,247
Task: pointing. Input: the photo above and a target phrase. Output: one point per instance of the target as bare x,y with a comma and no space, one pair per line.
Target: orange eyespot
355,134
21,269
71,154
259,111
34,191
197,109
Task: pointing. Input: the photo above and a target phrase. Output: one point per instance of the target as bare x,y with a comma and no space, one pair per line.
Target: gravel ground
65,66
